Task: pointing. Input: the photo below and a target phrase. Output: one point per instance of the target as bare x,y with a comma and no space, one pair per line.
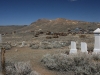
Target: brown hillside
59,25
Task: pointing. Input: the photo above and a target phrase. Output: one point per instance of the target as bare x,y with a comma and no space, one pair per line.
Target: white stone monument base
96,51
73,51
84,51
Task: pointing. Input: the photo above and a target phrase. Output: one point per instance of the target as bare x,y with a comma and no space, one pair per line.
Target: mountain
58,25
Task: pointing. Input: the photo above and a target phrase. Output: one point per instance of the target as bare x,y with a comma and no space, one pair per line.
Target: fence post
0,63
3,61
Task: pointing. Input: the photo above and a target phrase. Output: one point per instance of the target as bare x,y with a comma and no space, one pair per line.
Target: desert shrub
67,52
57,61
63,44
20,68
82,36
80,64
56,44
46,45
34,46
90,47
65,73
7,46
96,57
53,44
48,37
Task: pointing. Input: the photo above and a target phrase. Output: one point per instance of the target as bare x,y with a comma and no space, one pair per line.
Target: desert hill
59,25
10,28
56,25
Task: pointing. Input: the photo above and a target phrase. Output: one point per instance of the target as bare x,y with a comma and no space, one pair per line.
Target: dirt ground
34,56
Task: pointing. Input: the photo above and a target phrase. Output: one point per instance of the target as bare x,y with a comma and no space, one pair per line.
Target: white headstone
97,41
84,47
73,47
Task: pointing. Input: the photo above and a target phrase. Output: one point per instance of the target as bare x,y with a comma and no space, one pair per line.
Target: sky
24,12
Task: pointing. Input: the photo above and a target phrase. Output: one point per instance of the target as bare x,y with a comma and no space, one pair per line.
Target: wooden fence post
0,63
3,61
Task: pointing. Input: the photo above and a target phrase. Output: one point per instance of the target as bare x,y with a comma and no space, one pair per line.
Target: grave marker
97,41
73,47
84,47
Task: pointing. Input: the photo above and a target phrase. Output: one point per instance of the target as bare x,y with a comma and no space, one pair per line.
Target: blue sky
24,12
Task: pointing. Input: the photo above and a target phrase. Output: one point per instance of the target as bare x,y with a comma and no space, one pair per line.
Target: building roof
97,30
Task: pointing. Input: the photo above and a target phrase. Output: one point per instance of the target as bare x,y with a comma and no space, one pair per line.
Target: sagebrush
20,68
80,64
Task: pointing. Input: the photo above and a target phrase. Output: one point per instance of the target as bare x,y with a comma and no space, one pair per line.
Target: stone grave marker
97,41
84,47
73,47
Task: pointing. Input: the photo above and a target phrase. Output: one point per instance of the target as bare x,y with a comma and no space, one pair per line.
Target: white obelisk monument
97,41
